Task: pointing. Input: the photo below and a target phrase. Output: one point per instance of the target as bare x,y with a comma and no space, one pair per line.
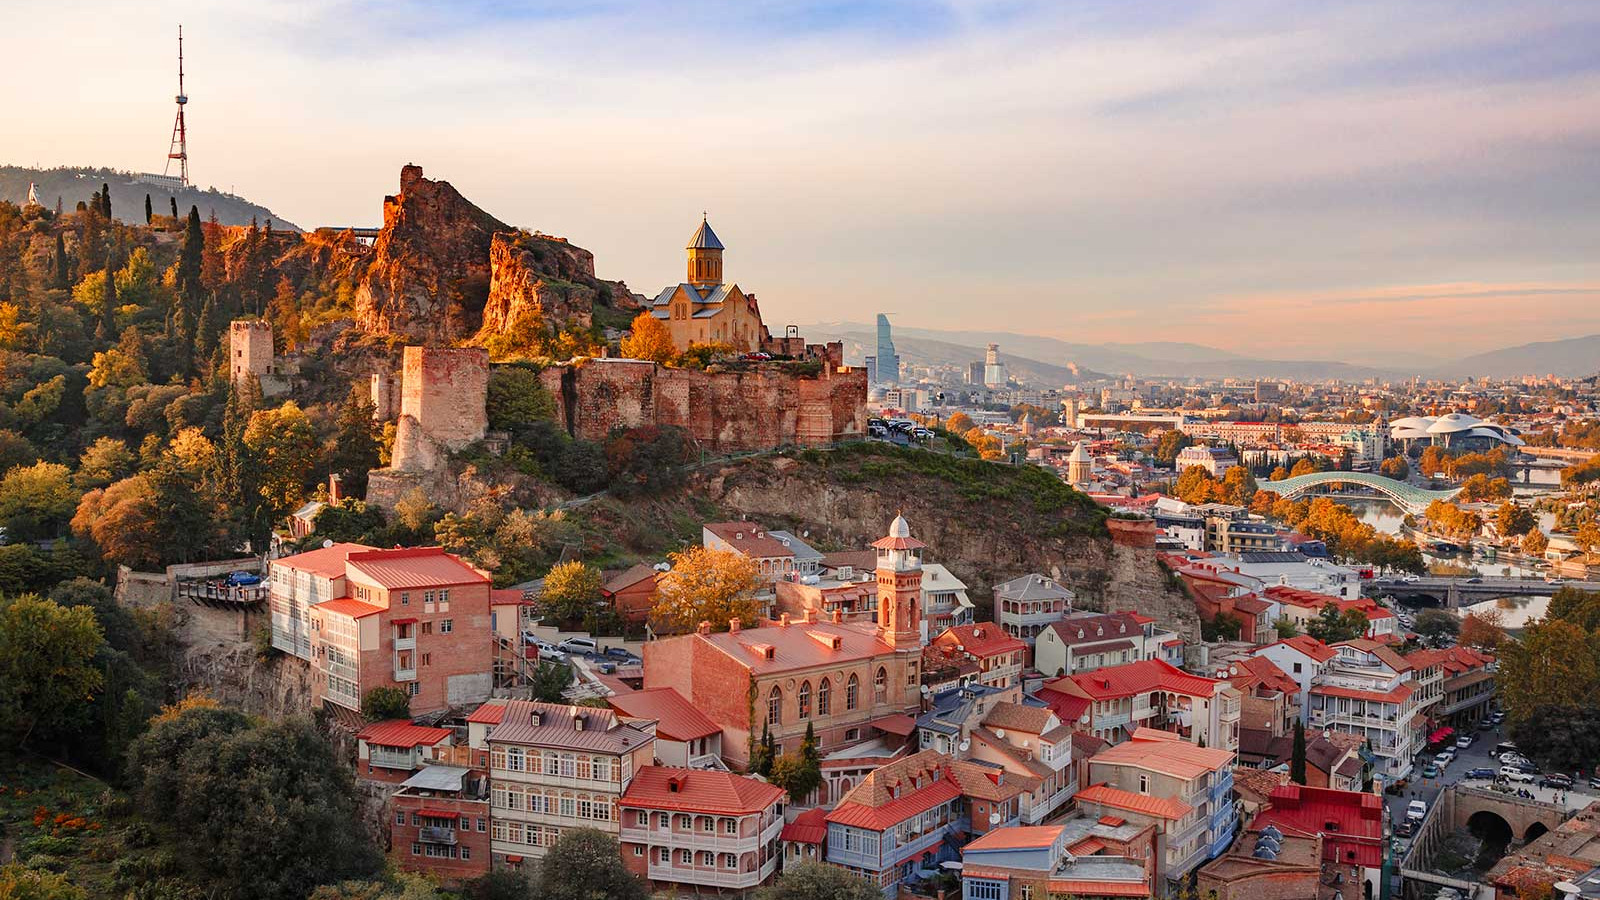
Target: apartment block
694,830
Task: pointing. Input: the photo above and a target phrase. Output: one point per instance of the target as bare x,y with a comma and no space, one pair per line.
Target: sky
1337,180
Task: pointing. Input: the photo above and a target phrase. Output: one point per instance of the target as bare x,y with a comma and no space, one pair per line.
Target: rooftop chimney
783,620
703,628
811,615
733,626
335,488
838,615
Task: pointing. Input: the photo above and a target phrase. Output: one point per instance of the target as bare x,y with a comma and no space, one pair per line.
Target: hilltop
76,183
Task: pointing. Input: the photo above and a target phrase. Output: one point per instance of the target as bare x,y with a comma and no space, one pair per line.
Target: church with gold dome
703,309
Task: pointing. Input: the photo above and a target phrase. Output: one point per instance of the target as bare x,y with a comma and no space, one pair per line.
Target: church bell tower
899,587
705,257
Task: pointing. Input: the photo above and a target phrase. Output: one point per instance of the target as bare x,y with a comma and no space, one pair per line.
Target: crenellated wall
754,409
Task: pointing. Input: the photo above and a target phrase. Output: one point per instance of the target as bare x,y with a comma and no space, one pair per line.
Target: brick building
1081,857
440,823
390,751
838,677
1113,702
416,619
999,656
696,829
1089,640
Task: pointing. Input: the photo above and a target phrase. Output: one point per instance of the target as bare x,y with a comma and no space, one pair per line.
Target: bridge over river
1458,808
1407,496
1458,592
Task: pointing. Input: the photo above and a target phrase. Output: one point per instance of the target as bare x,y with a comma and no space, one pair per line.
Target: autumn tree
1554,663
1196,485
571,590
1306,465
283,451
1395,467
1534,543
1168,446
1586,538
37,501
649,338
47,664
1482,630
1238,486
706,585
1512,520
959,423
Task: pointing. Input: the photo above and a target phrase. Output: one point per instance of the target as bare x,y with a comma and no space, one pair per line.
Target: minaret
900,587
705,256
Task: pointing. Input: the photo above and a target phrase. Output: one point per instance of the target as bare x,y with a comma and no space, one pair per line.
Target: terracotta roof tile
810,827
1167,754
981,640
417,567
1164,807
557,726
1016,717
1017,838
326,562
1141,677
676,718
346,606
699,790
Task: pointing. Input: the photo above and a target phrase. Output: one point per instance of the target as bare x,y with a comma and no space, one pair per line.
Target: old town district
1052,752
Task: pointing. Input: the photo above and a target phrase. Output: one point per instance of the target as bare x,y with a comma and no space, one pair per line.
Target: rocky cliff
986,522
427,278
545,278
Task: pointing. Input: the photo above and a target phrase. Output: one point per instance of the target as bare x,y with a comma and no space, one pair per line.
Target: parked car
1503,748
1480,772
1430,771
1556,780
1594,782
579,645
618,653
1416,810
1445,757
551,654
1405,829
1515,775
1412,578
1485,725
1464,741
243,579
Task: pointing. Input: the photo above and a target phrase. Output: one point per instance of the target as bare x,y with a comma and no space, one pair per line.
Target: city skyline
1284,180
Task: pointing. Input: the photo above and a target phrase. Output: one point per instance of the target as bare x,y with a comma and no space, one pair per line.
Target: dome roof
1453,422
900,528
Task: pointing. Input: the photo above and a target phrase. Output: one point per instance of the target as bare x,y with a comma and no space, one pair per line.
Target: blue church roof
704,238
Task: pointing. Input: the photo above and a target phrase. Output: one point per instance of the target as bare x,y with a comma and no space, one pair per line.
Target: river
1388,519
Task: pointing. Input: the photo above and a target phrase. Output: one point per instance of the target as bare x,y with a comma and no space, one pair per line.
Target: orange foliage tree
706,585
650,339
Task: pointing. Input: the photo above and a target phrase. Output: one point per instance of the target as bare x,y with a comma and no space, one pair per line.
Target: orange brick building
701,829
837,677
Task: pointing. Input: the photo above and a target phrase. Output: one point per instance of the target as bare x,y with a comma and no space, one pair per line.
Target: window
1144,784
480,823
852,693
427,628
662,819
666,856
729,861
804,701
638,850
427,597
730,826
1297,668
775,706
427,659
446,626
414,688
880,685
686,857
852,734
708,824
416,849
707,858
824,697
400,818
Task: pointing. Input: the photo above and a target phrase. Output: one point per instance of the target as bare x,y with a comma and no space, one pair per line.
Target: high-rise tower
179,149
886,364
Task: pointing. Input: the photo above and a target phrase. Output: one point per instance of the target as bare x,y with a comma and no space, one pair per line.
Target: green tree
47,655
105,201
1285,627
799,771
265,809
647,461
283,449
105,461
517,397
1562,737
149,210
190,295
63,268
1556,662
1330,625
174,201
108,302
819,881
354,448
1573,604
551,680
385,702
1297,759
37,501
1436,626
586,864
571,590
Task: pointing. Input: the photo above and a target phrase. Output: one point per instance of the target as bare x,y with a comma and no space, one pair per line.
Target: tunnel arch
1534,832
1490,827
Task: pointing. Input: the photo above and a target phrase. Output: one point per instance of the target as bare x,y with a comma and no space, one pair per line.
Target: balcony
405,674
702,840
383,759
405,643
433,834
712,877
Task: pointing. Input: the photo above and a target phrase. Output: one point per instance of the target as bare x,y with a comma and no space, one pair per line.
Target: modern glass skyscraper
886,368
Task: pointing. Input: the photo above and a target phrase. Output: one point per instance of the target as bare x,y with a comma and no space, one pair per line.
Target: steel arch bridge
1406,496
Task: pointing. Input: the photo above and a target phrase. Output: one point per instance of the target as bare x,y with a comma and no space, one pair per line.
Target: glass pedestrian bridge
1408,497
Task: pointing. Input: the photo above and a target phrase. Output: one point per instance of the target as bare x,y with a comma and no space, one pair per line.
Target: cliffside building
702,309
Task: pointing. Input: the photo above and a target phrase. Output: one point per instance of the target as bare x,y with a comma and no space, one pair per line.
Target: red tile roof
1069,708
325,562
506,597
1141,677
1163,807
557,726
750,539
810,827
1165,753
1258,670
915,784
699,791
1357,819
488,713
676,718
400,733
1080,630
1309,646
882,818
896,723
795,645
416,567
983,639
1017,838
1079,887
1397,695
346,606
1383,652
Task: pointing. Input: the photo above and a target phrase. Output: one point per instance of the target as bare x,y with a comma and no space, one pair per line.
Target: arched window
880,685
852,693
824,697
775,706
805,700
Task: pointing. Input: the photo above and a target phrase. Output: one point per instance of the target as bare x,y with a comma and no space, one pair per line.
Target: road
1476,756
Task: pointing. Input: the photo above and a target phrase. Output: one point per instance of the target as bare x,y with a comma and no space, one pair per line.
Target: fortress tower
250,350
442,397
900,587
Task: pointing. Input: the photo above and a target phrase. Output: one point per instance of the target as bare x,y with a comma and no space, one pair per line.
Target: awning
899,723
438,813
1441,734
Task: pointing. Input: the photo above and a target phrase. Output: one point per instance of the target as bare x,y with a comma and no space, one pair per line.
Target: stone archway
1534,832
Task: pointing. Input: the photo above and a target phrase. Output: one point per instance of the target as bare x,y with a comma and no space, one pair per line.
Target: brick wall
725,411
404,837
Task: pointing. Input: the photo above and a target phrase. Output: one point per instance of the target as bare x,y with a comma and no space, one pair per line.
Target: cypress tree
1297,763
149,211
105,200
62,277
174,208
108,310
190,293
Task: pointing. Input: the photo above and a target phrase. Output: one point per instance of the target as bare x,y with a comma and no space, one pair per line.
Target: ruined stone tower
443,393
250,350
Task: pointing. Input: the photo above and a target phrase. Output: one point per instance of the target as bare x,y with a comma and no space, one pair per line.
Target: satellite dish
994,818
1000,733
964,745
326,543
1566,887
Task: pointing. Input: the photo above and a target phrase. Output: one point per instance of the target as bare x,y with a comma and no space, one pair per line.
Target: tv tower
179,150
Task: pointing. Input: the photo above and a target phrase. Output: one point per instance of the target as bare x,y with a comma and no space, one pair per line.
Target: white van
579,645
1415,810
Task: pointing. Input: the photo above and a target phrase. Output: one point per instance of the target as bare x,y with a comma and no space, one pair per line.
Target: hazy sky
1308,179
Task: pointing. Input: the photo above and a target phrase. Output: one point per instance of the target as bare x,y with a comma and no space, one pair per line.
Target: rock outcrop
427,277
543,277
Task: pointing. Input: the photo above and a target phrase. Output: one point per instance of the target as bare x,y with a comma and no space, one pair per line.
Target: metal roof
704,238
437,778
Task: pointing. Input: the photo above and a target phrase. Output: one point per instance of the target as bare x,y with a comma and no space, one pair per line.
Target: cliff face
427,277
543,277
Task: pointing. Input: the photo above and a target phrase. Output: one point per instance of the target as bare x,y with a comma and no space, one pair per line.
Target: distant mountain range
1047,360
72,184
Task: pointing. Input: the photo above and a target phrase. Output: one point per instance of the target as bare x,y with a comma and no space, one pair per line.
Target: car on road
1480,772
1515,775
1519,762
1553,579
1445,757
1416,810
1412,578
1464,741
1594,782
1485,725
1430,771
551,654
1556,780
585,646
1405,829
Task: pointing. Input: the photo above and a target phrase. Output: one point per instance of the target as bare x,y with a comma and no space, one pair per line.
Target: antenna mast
179,150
